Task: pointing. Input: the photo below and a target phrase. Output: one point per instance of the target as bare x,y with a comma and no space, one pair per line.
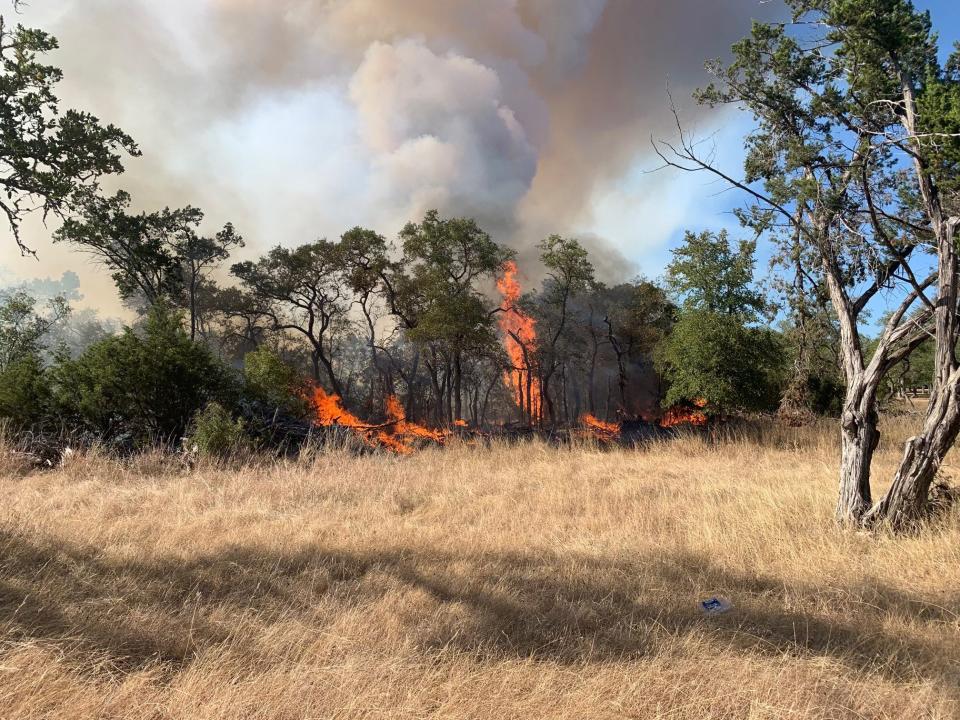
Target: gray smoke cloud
512,111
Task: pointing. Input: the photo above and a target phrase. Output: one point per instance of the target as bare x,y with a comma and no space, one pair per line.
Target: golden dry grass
510,582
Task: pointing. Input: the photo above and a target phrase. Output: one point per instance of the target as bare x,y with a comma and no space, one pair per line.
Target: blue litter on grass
715,606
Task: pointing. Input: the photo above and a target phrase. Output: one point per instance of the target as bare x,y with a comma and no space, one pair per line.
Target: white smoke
512,111
440,132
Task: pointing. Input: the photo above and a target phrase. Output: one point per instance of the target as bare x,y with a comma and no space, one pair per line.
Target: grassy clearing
523,581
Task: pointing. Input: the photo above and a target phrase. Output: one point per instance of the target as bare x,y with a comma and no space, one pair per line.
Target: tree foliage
714,358
708,274
51,158
714,353
145,385
23,329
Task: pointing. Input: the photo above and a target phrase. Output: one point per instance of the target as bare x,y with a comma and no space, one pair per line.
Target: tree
366,261
812,336
712,353
25,392
843,158
49,155
198,255
713,358
435,293
637,316
241,317
155,257
569,273
706,273
137,248
22,328
302,291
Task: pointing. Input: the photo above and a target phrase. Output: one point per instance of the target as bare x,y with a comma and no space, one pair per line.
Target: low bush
214,432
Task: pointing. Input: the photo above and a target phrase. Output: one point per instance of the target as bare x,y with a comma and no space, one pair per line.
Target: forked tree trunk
907,501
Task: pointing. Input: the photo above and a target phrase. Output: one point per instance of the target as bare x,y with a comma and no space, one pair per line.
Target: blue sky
671,202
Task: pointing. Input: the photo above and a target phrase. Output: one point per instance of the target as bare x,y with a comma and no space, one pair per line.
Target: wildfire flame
395,435
405,428
520,340
601,429
686,415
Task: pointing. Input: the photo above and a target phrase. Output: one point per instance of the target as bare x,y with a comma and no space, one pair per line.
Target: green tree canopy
714,357
436,291
708,273
147,384
51,158
713,353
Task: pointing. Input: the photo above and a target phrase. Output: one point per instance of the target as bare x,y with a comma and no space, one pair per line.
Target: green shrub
25,392
215,433
268,379
717,358
146,386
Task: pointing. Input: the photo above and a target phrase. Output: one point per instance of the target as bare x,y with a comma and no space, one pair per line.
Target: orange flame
328,410
461,423
599,428
401,426
394,435
685,415
520,340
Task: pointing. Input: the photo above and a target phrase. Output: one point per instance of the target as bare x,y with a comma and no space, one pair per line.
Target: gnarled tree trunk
907,500
859,437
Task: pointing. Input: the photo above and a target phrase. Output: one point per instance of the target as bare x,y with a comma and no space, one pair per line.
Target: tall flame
520,341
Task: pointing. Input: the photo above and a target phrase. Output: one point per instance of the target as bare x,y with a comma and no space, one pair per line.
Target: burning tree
535,361
520,342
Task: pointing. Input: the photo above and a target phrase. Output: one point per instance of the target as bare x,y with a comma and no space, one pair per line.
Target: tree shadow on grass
562,609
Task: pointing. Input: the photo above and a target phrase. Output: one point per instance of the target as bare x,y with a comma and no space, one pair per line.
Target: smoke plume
516,112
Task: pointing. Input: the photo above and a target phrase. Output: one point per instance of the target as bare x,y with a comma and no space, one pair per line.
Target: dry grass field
508,582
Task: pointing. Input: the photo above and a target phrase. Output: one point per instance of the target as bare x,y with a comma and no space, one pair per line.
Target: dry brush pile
518,580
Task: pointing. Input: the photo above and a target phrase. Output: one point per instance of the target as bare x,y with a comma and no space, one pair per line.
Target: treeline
436,319
437,316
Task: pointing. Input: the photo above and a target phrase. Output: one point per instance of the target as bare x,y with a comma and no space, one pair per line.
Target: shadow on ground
565,610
